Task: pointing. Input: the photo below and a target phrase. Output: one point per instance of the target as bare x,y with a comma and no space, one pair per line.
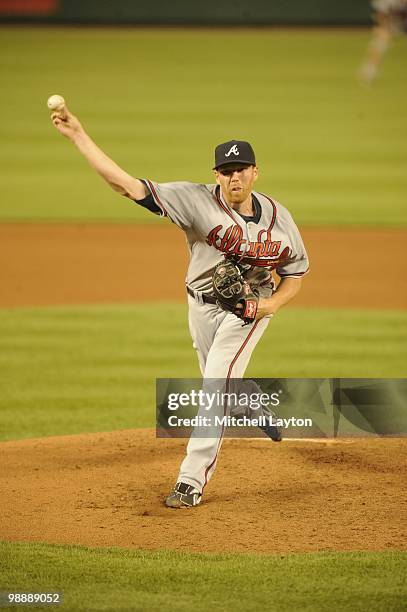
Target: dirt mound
107,489
46,264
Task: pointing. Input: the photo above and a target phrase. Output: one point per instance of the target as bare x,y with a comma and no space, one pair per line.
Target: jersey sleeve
177,201
298,263
149,204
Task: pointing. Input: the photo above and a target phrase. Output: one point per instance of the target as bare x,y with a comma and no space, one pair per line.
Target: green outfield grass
331,150
86,369
114,579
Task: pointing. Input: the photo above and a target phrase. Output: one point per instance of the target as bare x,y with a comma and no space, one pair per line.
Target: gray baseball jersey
267,241
270,240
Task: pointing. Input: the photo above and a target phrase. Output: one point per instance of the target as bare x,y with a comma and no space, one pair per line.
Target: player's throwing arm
69,126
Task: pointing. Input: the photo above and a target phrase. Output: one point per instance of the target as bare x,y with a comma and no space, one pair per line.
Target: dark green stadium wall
185,12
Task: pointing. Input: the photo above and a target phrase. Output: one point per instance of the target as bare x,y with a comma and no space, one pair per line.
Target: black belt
207,299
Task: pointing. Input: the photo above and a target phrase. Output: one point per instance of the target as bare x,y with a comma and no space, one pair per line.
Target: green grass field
331,150
86,369
114,579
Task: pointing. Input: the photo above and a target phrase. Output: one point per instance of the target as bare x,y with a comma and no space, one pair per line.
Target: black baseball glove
233,293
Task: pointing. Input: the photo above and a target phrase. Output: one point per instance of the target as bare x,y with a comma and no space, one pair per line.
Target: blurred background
227,12
329,147
91,287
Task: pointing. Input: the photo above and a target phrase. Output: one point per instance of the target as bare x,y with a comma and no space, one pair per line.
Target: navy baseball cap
234,151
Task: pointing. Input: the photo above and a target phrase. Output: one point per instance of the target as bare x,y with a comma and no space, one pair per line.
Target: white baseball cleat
183,496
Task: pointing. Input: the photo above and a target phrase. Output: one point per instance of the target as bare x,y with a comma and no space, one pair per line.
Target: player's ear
255,173
216,173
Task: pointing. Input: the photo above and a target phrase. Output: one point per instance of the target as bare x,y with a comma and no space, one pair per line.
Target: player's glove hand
233,293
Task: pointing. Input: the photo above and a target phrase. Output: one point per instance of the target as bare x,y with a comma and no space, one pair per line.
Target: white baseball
55,103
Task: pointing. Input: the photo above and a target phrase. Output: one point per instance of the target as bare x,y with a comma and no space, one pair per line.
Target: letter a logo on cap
233,150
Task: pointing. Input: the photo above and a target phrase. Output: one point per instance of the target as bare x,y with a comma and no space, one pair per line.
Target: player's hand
264,309
66,123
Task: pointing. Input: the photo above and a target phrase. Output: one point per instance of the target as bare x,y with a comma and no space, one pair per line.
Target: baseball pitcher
236,237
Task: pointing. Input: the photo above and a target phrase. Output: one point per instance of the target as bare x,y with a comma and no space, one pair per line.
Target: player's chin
237,196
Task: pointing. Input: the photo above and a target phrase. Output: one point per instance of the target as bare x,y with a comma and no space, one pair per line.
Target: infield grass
158,101
117,579
85,369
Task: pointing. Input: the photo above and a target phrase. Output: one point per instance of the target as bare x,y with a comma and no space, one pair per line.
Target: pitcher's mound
107,489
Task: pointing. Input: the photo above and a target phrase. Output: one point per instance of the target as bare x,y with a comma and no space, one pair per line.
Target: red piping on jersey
221,204
239,352
156,198
294,275
273,219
